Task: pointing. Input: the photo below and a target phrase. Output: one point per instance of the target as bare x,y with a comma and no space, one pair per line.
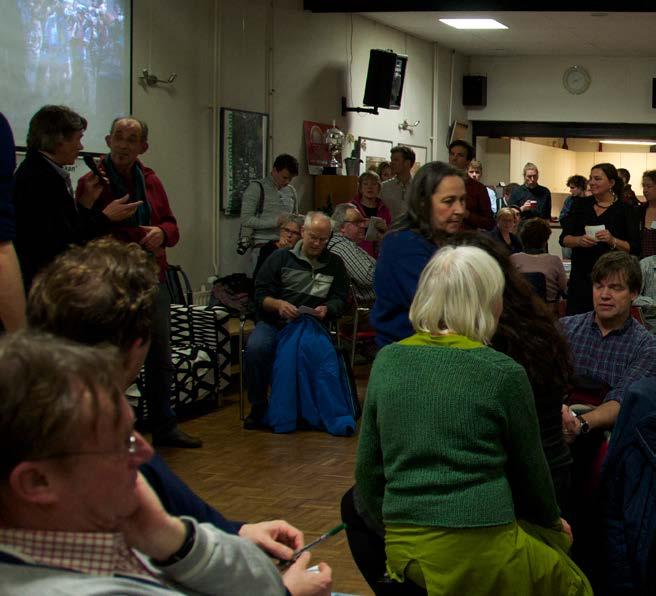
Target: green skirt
517,558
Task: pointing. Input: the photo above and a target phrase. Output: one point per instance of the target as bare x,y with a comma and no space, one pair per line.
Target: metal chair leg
356,316
242,322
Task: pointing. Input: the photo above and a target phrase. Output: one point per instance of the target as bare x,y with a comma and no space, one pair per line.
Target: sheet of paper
653,225
592,230
306,310
372,233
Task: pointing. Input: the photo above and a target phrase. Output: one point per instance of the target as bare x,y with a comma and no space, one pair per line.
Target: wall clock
576,80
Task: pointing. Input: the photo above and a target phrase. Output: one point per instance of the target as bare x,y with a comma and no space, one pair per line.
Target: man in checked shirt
608,344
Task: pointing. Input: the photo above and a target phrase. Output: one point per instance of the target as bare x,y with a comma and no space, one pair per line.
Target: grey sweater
218,563
276,202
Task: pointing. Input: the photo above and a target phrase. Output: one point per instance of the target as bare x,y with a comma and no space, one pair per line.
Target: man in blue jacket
306,279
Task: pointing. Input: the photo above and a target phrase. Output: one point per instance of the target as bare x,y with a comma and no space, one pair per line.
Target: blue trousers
178,499
260,352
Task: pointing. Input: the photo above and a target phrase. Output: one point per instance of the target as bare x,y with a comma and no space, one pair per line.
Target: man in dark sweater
532,199
48,216
306,279
479,211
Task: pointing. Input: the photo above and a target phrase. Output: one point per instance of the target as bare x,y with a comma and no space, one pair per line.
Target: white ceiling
535,33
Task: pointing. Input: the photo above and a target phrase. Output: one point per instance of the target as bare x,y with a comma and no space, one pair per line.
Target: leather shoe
177,438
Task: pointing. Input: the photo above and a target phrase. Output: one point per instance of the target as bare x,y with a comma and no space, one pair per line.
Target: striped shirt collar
95,553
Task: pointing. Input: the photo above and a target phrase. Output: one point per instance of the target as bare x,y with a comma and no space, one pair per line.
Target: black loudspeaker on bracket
346,109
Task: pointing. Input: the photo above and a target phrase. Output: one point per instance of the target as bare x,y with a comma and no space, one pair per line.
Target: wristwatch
185,549
584,427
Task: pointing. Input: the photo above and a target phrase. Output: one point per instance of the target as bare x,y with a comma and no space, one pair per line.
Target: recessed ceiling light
473,23
616,142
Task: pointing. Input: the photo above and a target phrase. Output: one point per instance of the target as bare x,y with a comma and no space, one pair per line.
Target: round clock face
576,80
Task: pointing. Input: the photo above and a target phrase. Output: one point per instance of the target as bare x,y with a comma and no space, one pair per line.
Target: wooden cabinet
340,189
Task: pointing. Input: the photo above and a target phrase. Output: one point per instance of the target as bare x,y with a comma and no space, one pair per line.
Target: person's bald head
127,140
315,233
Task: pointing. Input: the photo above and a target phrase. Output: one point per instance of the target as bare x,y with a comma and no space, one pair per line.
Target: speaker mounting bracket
346,109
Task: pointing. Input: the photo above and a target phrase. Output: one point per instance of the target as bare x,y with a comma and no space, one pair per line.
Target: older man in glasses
306,277
349,228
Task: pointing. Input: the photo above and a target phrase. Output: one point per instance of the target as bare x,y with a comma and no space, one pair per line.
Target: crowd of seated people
459,489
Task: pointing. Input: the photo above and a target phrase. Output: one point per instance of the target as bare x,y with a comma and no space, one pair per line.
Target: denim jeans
260,352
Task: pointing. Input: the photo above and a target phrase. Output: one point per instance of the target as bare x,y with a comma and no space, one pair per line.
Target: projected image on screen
72,52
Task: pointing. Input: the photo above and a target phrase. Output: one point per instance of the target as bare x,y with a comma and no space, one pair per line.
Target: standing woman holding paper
596,225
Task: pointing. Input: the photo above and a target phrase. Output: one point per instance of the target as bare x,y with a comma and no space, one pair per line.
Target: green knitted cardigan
450,438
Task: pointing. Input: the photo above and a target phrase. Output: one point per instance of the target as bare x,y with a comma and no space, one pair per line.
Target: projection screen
71,52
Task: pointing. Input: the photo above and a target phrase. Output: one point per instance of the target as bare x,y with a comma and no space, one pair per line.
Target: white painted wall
168,37
496,161
530,88
305,59
315,59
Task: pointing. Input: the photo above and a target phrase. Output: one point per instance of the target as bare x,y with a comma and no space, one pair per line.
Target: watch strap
584,429
185,549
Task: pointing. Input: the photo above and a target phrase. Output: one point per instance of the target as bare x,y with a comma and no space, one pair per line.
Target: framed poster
243,154
421,155
373,151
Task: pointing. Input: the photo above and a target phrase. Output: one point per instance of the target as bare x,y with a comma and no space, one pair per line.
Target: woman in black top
621,232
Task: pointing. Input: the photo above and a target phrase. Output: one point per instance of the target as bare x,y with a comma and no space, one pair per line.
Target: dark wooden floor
256,476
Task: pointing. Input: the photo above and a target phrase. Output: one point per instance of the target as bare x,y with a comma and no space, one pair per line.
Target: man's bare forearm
604,416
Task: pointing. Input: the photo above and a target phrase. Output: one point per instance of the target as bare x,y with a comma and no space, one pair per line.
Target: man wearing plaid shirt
348,231
608,344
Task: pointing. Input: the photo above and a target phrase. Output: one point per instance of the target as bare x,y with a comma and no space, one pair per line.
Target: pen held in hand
336,530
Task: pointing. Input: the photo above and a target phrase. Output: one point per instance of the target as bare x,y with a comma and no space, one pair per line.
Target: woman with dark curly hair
527,333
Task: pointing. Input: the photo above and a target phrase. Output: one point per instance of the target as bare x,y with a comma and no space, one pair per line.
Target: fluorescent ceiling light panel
616,142
473,23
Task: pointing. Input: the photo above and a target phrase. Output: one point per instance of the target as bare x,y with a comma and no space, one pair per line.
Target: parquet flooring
256,476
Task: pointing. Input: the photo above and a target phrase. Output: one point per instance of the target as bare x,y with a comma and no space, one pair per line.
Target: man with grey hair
348,231
532,199
48,217
155,228
306,279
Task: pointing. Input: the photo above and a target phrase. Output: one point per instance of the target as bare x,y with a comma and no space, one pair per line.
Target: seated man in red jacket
154,227
479,211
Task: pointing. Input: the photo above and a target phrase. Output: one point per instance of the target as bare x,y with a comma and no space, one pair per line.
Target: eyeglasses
291,231
355,222
130,448
320,239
